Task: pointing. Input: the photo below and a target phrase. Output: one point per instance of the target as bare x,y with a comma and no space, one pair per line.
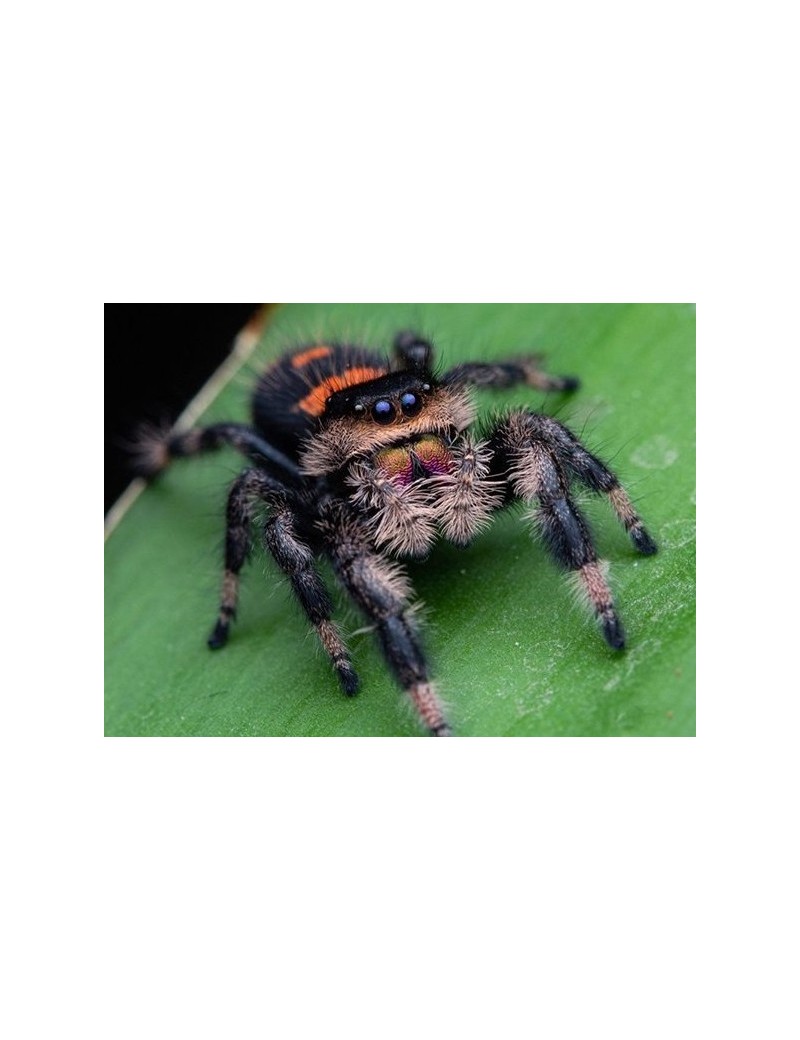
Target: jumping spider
363,461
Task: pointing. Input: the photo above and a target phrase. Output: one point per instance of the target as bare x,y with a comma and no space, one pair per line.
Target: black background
157,356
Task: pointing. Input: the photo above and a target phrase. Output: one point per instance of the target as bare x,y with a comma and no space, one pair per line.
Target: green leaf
512,653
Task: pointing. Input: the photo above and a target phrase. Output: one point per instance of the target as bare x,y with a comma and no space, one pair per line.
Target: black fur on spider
364,461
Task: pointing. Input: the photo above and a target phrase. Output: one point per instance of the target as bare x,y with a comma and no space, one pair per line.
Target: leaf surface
511,650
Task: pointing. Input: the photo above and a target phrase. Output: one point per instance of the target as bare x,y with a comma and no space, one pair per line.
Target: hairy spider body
366,460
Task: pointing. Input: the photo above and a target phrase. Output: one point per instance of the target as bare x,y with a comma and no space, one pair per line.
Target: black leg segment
155,449
501,375
252,486
528,445
413,351
380,589
296,560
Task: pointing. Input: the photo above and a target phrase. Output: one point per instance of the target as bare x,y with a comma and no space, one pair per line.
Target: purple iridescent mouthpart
427,457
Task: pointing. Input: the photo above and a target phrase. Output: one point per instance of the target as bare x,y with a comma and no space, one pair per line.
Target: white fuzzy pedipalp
403,519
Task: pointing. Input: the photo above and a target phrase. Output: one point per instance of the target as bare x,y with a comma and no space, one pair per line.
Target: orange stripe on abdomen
314,402
303,358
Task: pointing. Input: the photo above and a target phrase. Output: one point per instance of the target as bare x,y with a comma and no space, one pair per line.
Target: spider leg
595,475
501,375
156,449
528,447
250,486
413,351
293,557
296,560
381,590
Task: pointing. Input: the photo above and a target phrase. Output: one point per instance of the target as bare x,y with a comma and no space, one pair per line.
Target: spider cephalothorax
364,461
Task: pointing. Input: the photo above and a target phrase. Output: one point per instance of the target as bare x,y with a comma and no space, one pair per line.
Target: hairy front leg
381,590
296,560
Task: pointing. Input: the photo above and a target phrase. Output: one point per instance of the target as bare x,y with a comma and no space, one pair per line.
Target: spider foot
613,632
219,634
593,588
643,542
348,678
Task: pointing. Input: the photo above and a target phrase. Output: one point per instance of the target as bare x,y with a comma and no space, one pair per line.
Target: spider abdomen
290,396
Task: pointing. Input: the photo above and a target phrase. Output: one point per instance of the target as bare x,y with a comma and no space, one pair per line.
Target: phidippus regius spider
364,460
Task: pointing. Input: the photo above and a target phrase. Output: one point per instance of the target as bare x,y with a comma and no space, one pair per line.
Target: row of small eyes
384,411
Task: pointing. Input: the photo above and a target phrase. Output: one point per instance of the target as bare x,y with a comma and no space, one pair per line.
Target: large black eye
383,412
410,403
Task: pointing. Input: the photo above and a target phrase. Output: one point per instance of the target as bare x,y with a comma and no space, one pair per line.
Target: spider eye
410,403
383,411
